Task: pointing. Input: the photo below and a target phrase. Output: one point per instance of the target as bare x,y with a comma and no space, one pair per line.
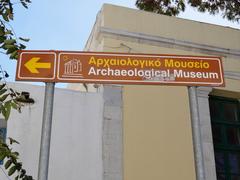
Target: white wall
76,146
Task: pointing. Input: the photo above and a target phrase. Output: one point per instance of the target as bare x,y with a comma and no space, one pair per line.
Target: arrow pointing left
33,65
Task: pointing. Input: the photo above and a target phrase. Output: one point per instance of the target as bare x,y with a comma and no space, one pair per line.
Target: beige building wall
157,140
157,133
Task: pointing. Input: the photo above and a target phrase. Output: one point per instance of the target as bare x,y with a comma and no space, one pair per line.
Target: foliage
9,98
9,43
230,9
13,165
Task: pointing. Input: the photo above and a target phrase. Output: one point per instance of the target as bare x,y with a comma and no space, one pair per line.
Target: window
225,119
3,132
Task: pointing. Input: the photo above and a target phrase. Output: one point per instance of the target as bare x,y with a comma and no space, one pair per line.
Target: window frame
224,147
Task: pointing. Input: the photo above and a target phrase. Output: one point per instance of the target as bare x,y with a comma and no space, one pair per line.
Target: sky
66,25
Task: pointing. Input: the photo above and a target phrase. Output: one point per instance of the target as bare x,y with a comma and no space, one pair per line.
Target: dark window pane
3,132
216,133
234,162
235,178
233,135
226,137
221,177
219,159
230,112
214,110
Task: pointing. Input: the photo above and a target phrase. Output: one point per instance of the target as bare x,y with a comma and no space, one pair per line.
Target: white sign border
33,78
141,81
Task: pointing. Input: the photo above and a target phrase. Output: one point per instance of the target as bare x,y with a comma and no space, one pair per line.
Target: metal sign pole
46,132
196,133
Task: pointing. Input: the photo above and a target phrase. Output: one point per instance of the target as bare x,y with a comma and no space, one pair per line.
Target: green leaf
2,31
12,170
8,164
14,158
24,4
16,153
30,178
12,90
18,104
14,105
8,46
3,98
8,32
23,172
14,55
24,39
6,110
16,178
14,141
8,103
5,147
2,86
17,93
12,49
19,166
8,11
2,91
5,16
4,47
22,46
10,16
2,156
9,41
2,39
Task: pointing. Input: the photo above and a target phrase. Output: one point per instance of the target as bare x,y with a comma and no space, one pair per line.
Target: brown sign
37,66
119,68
